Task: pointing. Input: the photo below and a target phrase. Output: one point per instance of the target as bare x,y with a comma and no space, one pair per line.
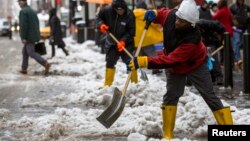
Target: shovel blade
111,109
117,112
144,76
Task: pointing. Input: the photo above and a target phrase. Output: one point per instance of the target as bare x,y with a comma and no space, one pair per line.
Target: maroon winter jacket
184,51
224,16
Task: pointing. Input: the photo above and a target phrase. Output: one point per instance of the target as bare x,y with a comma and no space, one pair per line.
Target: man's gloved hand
138,62
150,15
104,28
120,46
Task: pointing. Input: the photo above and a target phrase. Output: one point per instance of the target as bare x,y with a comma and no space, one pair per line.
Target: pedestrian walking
10,27
56,37
185,58
118,20
241,13
29,33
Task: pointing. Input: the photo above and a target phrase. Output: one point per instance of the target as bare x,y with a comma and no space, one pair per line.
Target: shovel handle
140,43
147,25
130,55
215,51
136,54
142,38
126,51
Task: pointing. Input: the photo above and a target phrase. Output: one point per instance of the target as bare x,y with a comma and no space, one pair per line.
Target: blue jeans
237,43
29,51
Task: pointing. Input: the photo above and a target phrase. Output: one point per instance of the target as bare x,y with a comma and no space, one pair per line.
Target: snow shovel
144,76
215,51
114,110
126,51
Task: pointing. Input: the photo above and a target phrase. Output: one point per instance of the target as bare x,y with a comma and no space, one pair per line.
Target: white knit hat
188,11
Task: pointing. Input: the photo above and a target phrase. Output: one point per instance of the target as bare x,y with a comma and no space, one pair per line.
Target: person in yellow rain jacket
153,35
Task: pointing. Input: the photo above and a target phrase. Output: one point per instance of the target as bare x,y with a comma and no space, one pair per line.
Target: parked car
5,27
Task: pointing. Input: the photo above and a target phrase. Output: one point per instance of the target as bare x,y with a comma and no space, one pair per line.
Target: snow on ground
141,119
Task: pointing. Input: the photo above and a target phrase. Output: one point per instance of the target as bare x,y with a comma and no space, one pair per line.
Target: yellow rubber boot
168,117
223,116
134,77
109,76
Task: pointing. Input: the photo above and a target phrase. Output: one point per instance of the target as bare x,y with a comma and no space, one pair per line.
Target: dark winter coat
122,27
29,25
205,13
55,28
211,32
184,50
240,13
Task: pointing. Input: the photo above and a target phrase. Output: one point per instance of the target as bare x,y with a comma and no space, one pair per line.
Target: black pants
62,46
201,79
112,56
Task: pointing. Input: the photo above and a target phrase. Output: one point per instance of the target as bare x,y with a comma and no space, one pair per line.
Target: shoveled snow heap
141,119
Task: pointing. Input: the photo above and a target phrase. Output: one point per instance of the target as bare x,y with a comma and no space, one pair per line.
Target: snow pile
4,113
74,115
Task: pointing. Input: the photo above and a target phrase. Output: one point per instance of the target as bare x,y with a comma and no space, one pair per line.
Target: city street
63,106
84,79
14,86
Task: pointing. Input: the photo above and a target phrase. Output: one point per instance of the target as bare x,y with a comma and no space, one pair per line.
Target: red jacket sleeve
162,15
181,54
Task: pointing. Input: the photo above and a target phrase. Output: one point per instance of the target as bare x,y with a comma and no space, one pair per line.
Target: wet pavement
16,88
234,96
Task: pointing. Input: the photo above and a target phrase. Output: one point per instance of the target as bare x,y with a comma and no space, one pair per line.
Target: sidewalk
234,96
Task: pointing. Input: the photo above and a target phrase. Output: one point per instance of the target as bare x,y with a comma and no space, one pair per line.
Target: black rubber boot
65,51
53,51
